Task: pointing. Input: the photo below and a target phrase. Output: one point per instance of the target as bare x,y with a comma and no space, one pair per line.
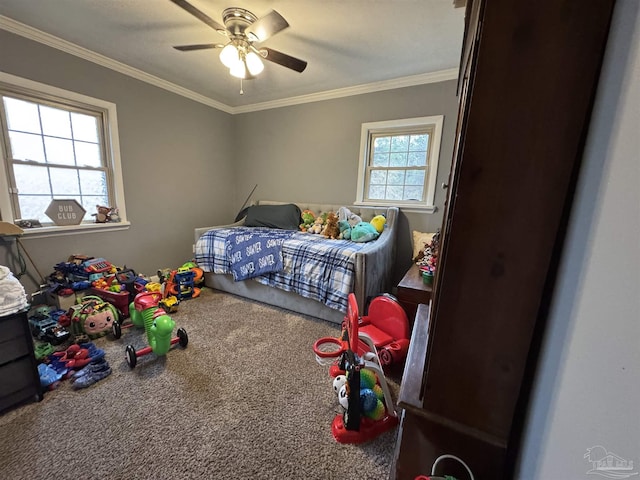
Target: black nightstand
19,379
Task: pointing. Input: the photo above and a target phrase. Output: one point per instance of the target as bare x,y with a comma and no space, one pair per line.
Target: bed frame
373,267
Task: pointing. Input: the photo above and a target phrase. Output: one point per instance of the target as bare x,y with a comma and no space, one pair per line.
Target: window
56,145
399,162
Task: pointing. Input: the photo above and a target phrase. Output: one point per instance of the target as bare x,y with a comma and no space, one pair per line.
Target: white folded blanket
12,295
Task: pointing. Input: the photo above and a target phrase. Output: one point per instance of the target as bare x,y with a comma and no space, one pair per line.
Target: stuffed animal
103,215
378,222
345,230
364,232
318,223
347,215
331,229
308,217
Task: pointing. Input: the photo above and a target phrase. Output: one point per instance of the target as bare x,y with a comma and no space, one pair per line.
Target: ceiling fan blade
266,26
200,16
204,46
283,59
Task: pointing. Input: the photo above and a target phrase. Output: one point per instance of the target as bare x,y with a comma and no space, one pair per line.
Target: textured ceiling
347,43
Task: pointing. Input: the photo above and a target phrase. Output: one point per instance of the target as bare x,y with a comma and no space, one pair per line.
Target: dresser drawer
16,376
12,349
11,327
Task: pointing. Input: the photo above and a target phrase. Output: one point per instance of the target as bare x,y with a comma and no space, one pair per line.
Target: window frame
42,93
398,127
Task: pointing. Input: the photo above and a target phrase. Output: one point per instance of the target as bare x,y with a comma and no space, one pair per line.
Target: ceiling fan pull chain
241,91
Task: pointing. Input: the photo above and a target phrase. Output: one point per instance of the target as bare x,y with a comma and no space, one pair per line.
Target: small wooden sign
65,212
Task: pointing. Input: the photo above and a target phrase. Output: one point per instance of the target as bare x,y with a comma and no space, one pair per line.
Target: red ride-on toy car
383,331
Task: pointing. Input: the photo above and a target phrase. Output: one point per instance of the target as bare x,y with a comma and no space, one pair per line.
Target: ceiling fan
243,30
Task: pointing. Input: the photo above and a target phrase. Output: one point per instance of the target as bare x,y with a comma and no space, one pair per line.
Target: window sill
405,207
42,232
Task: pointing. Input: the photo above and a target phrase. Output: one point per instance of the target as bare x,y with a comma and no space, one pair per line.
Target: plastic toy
181,283
145,312
169,304
198,278
386,326
44,326
368,412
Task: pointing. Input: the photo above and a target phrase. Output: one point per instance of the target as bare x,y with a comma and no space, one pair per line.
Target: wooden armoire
528,76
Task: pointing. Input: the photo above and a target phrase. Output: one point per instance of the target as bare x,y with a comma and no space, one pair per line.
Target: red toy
383,331
353,426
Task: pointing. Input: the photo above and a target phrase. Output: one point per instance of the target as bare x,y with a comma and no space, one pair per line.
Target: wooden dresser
412,291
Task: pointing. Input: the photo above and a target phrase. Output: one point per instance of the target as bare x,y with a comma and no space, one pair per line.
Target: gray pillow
286,217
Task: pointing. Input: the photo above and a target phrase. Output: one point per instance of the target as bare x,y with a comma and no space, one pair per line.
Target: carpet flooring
245,400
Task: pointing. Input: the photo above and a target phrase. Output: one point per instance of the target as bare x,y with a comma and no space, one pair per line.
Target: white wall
588,389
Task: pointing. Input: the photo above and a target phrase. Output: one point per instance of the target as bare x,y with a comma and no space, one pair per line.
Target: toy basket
433,475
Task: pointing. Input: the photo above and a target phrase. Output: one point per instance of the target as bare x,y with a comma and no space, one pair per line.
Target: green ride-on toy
145,312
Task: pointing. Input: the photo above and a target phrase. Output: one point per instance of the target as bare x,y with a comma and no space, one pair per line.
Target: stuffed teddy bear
364,232
308,217
103,215
318,223
331,229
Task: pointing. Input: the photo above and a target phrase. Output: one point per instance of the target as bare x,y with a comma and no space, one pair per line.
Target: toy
318,223
198,273
158,326
92,318
345,230
331,229
344,214
338,382
368,412
104,214
363,232
45,327
308,217
169,304
181,283
384,330
378,222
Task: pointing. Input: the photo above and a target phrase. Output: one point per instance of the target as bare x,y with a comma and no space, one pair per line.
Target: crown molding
441,76
39,36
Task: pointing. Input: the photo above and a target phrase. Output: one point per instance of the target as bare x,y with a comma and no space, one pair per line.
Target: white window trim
428,206
112,144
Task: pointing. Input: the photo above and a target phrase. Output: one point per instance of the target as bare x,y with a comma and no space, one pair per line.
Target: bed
303,285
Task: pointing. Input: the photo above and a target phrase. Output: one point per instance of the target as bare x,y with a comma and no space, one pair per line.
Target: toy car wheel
385,357
184,338
130,353
116,329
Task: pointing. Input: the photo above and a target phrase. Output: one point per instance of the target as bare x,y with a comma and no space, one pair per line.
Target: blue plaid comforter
313,266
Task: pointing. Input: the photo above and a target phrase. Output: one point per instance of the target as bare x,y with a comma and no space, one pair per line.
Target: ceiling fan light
229,56
238,70
254,63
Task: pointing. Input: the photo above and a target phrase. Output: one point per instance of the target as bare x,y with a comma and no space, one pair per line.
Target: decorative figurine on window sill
106,214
